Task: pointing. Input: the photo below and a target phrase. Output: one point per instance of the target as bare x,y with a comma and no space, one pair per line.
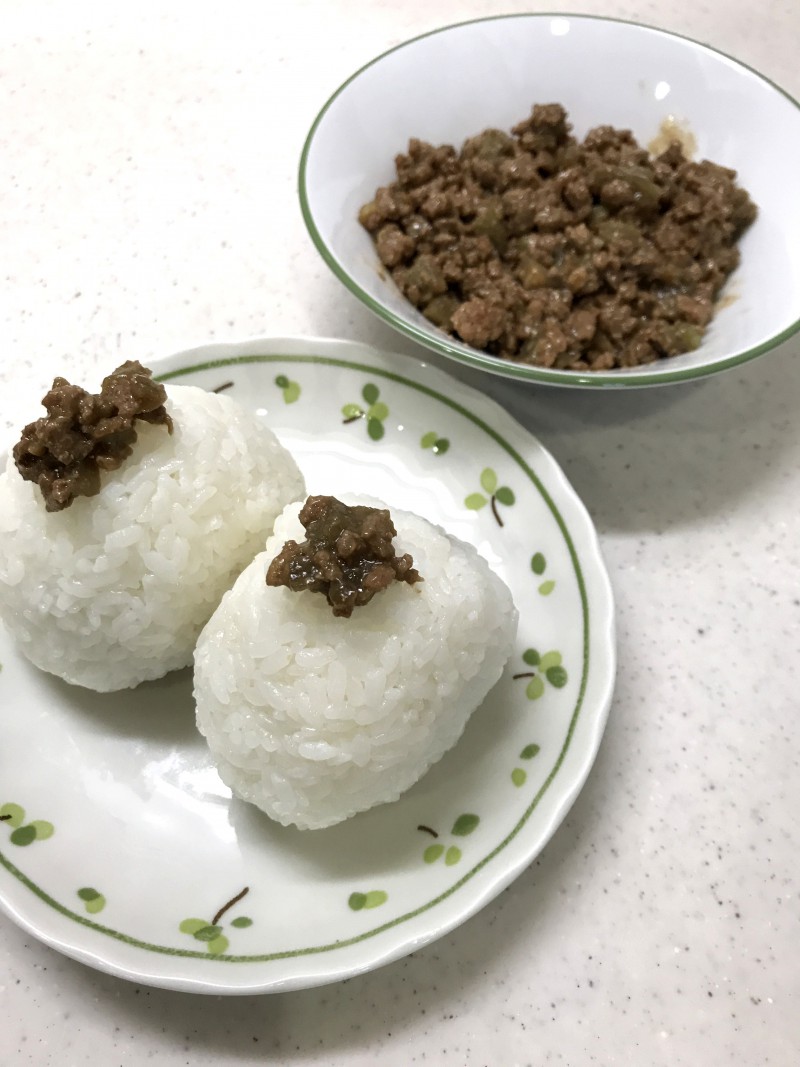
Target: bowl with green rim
452,83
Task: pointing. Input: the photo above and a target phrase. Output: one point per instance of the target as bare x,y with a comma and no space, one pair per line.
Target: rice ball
114,589
313,718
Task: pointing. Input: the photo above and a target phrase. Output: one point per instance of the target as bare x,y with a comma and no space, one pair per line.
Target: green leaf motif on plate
373,899
550,669
191,926
530,751
374,415
518,776
207,933
22,833
465,824
539,566
475,501
556,676
534,688
210,934
438,445
462,827
13,815
93,901
496,495
488,480
290,390
378,411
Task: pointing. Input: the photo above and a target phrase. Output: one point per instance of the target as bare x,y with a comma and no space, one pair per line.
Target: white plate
124,849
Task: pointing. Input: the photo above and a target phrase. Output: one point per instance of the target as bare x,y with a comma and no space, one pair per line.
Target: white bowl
453,83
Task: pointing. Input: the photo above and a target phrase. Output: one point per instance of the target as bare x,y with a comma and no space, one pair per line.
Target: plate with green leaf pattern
121,847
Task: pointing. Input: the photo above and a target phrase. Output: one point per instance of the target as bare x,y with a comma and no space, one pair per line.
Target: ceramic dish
453,83
120,846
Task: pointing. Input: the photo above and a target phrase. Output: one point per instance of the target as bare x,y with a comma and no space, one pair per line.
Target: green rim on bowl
482,360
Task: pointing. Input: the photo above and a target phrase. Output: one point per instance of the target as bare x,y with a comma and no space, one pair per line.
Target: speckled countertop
148,204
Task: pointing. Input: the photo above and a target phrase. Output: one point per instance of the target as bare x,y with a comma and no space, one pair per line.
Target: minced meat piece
539,249
348,555
85,433
478,322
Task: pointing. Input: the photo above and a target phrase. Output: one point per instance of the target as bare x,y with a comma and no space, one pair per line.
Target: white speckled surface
149,203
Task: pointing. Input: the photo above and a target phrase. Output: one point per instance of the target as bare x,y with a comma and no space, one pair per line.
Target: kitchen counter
148,168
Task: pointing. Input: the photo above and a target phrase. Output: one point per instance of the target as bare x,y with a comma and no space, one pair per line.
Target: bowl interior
453,83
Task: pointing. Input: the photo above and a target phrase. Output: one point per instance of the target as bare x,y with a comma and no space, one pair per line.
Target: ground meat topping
539,249
85,433
348,555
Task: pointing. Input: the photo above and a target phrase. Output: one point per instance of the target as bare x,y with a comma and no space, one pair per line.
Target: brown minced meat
348,555
540,249
86,433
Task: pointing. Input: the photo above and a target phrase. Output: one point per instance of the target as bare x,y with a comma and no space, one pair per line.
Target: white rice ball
115,589
313,718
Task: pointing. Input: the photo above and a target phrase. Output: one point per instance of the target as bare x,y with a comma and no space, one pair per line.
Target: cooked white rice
114,589
313,718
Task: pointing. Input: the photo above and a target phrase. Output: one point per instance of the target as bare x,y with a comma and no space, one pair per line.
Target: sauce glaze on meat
541,249
86,433
348,555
